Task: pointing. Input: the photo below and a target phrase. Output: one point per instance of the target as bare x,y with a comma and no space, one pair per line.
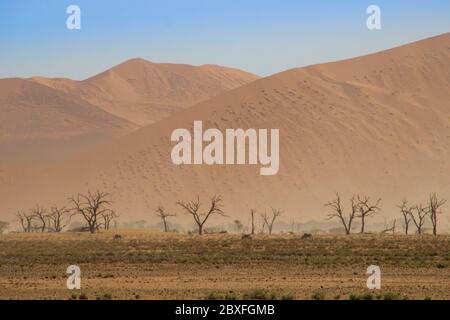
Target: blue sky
260,36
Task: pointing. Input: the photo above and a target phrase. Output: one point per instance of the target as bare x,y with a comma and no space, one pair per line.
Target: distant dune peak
144,92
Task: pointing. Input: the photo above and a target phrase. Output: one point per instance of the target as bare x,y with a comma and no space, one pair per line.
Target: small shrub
354,296
288,296
391,296
256,294
231,296
214,296
367,296
83,296
106,296
272,296
318,295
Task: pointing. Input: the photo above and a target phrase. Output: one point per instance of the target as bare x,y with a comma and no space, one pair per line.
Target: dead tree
59,218
193,208
92,207
269,222
265,219
252,214
263,226
365,210
434,206
238,226
389,229
26,221
418,215
108,216
406,212
338,212
42,216
3,226
163,215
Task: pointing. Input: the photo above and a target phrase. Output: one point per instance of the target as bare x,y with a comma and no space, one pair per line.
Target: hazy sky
260,36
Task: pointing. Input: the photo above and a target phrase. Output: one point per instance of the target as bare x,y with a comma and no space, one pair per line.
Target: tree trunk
44,225
362,224
200,229
349,228
434,221
165,225
253,225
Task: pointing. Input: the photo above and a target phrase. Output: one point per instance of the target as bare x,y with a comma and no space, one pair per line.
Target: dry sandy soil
149,265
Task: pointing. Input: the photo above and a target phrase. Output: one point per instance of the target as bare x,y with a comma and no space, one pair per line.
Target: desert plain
152,265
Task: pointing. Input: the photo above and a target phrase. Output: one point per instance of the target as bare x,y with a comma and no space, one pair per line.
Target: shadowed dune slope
38,123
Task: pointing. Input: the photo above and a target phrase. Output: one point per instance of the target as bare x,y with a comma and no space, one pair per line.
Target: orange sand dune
44,121
376,125
39,124
143,92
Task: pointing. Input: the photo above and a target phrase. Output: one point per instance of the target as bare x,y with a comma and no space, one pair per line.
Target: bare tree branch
93,207
365,210
406,212
434,205
163,215
389,229
41,214
108,216
59,218
269,222
338,212
26,220
200,219
418,215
